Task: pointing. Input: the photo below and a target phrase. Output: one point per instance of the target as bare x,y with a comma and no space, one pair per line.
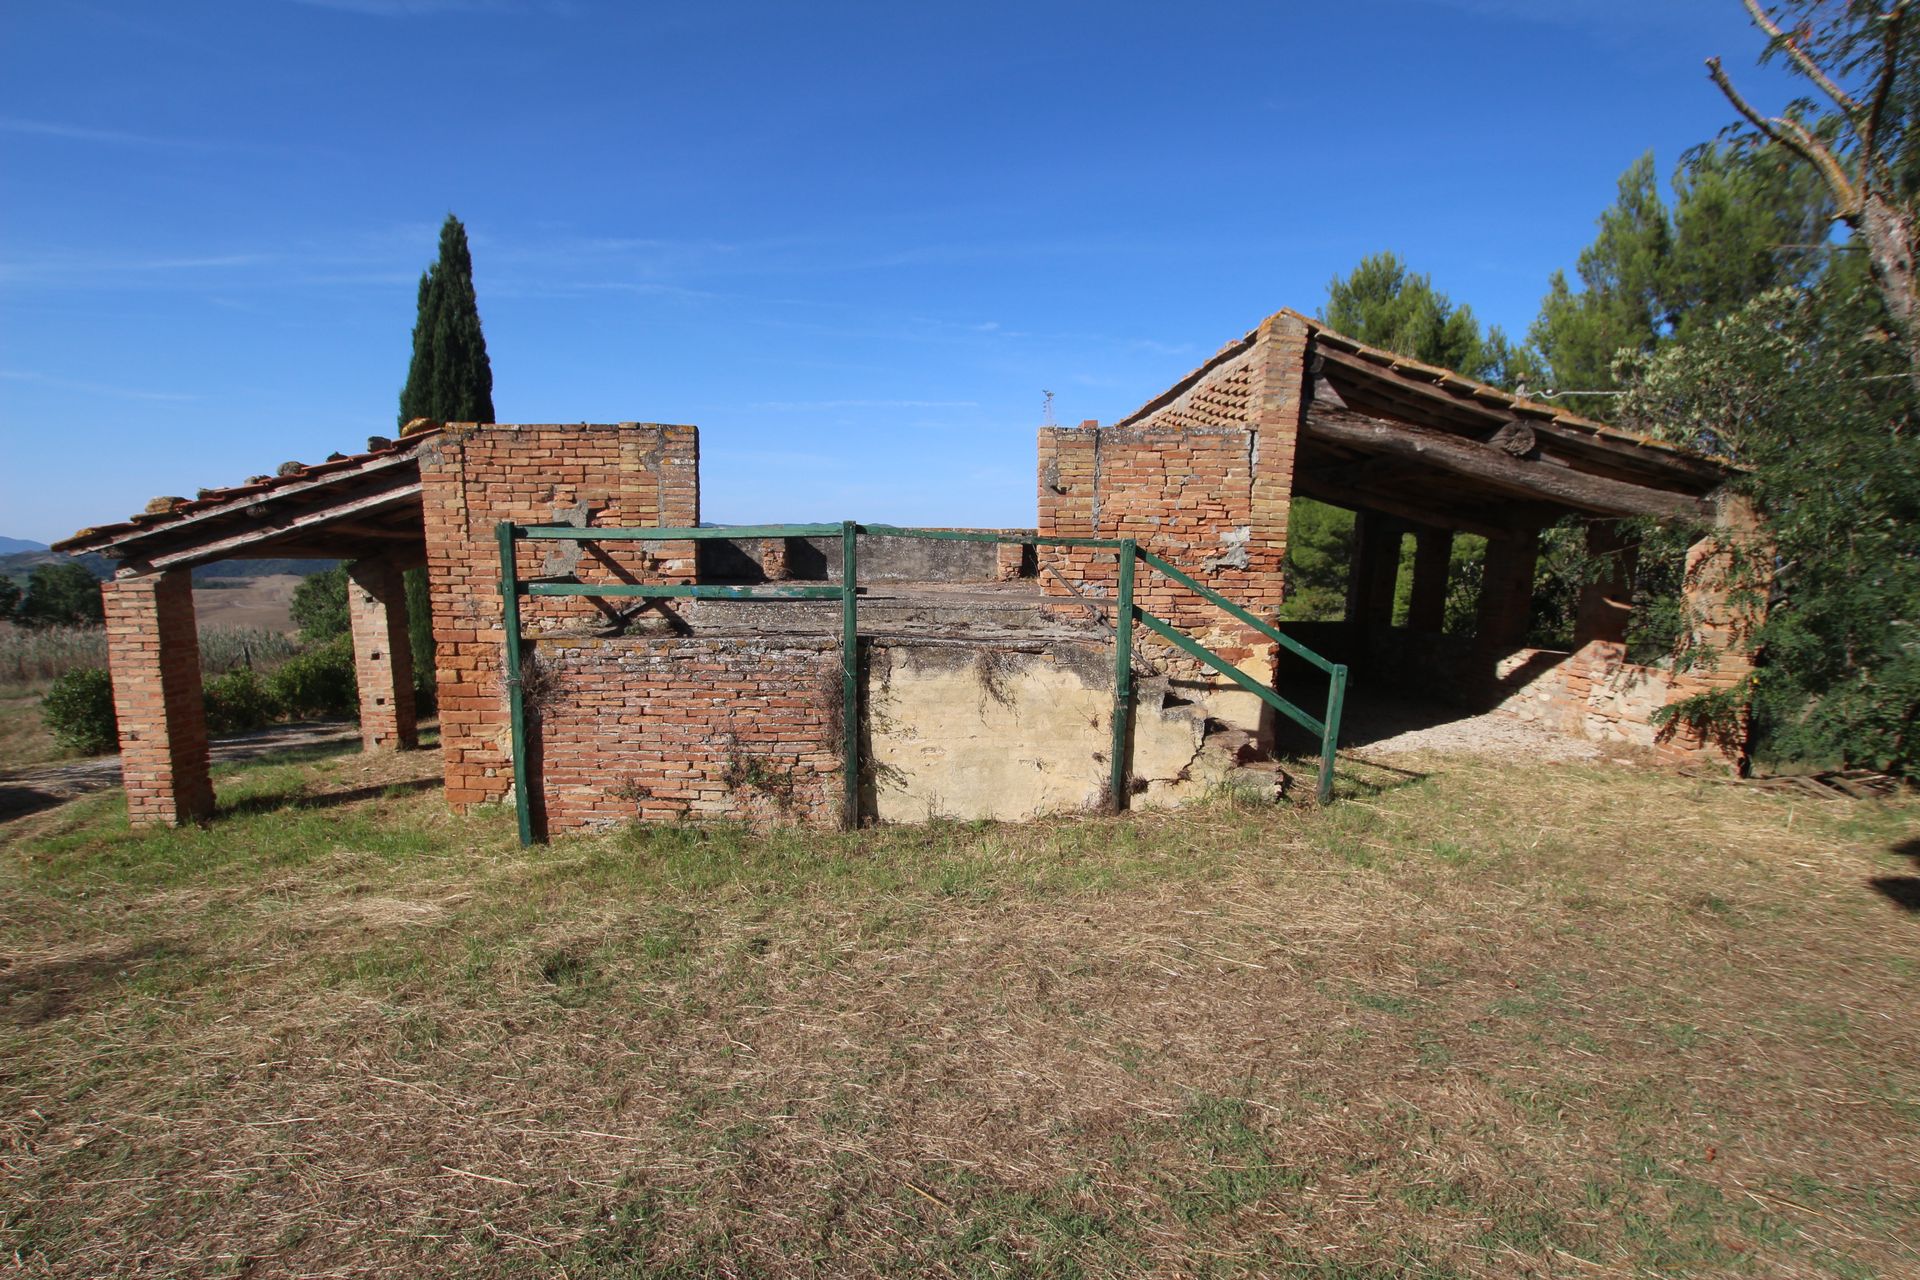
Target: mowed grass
1472,1020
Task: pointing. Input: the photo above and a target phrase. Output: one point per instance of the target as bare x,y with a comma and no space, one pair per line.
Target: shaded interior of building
982,664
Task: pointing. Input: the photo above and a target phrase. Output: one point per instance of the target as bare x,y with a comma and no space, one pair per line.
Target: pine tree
1623,305
450,380
1384,303
1744,220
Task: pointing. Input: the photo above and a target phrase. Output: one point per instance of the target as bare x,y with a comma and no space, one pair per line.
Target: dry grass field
260,603
1473,1020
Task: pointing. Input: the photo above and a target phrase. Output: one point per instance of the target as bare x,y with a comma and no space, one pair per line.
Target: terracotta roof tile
87,539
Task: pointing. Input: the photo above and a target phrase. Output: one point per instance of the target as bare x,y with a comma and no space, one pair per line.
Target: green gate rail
1128,554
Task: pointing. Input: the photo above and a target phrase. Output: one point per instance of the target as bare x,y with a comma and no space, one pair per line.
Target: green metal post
1123,677
516,700
850,670
1330,736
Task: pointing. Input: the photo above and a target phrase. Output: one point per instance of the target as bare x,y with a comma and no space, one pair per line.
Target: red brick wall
1203,478
155,655
624,475
672,727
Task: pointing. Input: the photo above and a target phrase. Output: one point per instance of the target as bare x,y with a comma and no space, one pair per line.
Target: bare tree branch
1807,65
1889,68
1790,134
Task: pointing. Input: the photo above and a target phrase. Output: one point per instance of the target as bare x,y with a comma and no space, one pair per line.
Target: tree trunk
1888,231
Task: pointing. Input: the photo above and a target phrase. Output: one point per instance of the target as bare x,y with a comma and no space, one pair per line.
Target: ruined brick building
986,682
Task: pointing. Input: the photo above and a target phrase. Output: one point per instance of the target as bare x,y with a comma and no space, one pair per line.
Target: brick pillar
1506,592
1374,573
1432,557
773,559
1279,403
1606,602
154,654
382,654
1727,578
1069,504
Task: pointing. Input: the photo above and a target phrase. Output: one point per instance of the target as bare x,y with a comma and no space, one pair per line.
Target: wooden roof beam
1615,451
295,529
1489,465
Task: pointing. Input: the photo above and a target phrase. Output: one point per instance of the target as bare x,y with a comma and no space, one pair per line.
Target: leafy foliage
1797,387
1319,549
9,598
318,684
319,606
1745,218
78,711
239,701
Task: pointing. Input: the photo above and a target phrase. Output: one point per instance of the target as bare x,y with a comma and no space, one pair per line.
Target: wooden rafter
284,527
1489,466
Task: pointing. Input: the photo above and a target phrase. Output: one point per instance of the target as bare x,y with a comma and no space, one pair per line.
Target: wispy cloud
77,270
90,388
111,137
808,406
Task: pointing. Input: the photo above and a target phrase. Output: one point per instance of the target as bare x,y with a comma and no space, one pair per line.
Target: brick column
1374,573
1432,558
1725,605
1279,402
382,654
1506,592
154,654
1607,602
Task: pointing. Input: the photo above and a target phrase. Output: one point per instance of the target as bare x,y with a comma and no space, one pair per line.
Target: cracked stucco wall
972,732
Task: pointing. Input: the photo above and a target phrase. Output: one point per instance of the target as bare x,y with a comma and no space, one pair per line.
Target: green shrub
318,684
78,710
239,702
319,606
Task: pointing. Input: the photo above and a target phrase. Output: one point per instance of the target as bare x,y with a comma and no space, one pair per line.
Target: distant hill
8,545
19,566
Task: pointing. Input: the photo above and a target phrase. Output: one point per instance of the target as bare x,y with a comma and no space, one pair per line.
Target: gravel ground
1406,728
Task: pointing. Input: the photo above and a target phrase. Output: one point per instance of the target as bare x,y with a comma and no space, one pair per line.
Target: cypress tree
450,380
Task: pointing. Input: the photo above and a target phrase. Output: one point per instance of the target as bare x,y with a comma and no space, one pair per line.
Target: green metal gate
1127,551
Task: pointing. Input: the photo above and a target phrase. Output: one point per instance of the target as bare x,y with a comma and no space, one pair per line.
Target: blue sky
854,243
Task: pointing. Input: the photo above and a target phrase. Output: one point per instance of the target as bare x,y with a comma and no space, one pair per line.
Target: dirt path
41,786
